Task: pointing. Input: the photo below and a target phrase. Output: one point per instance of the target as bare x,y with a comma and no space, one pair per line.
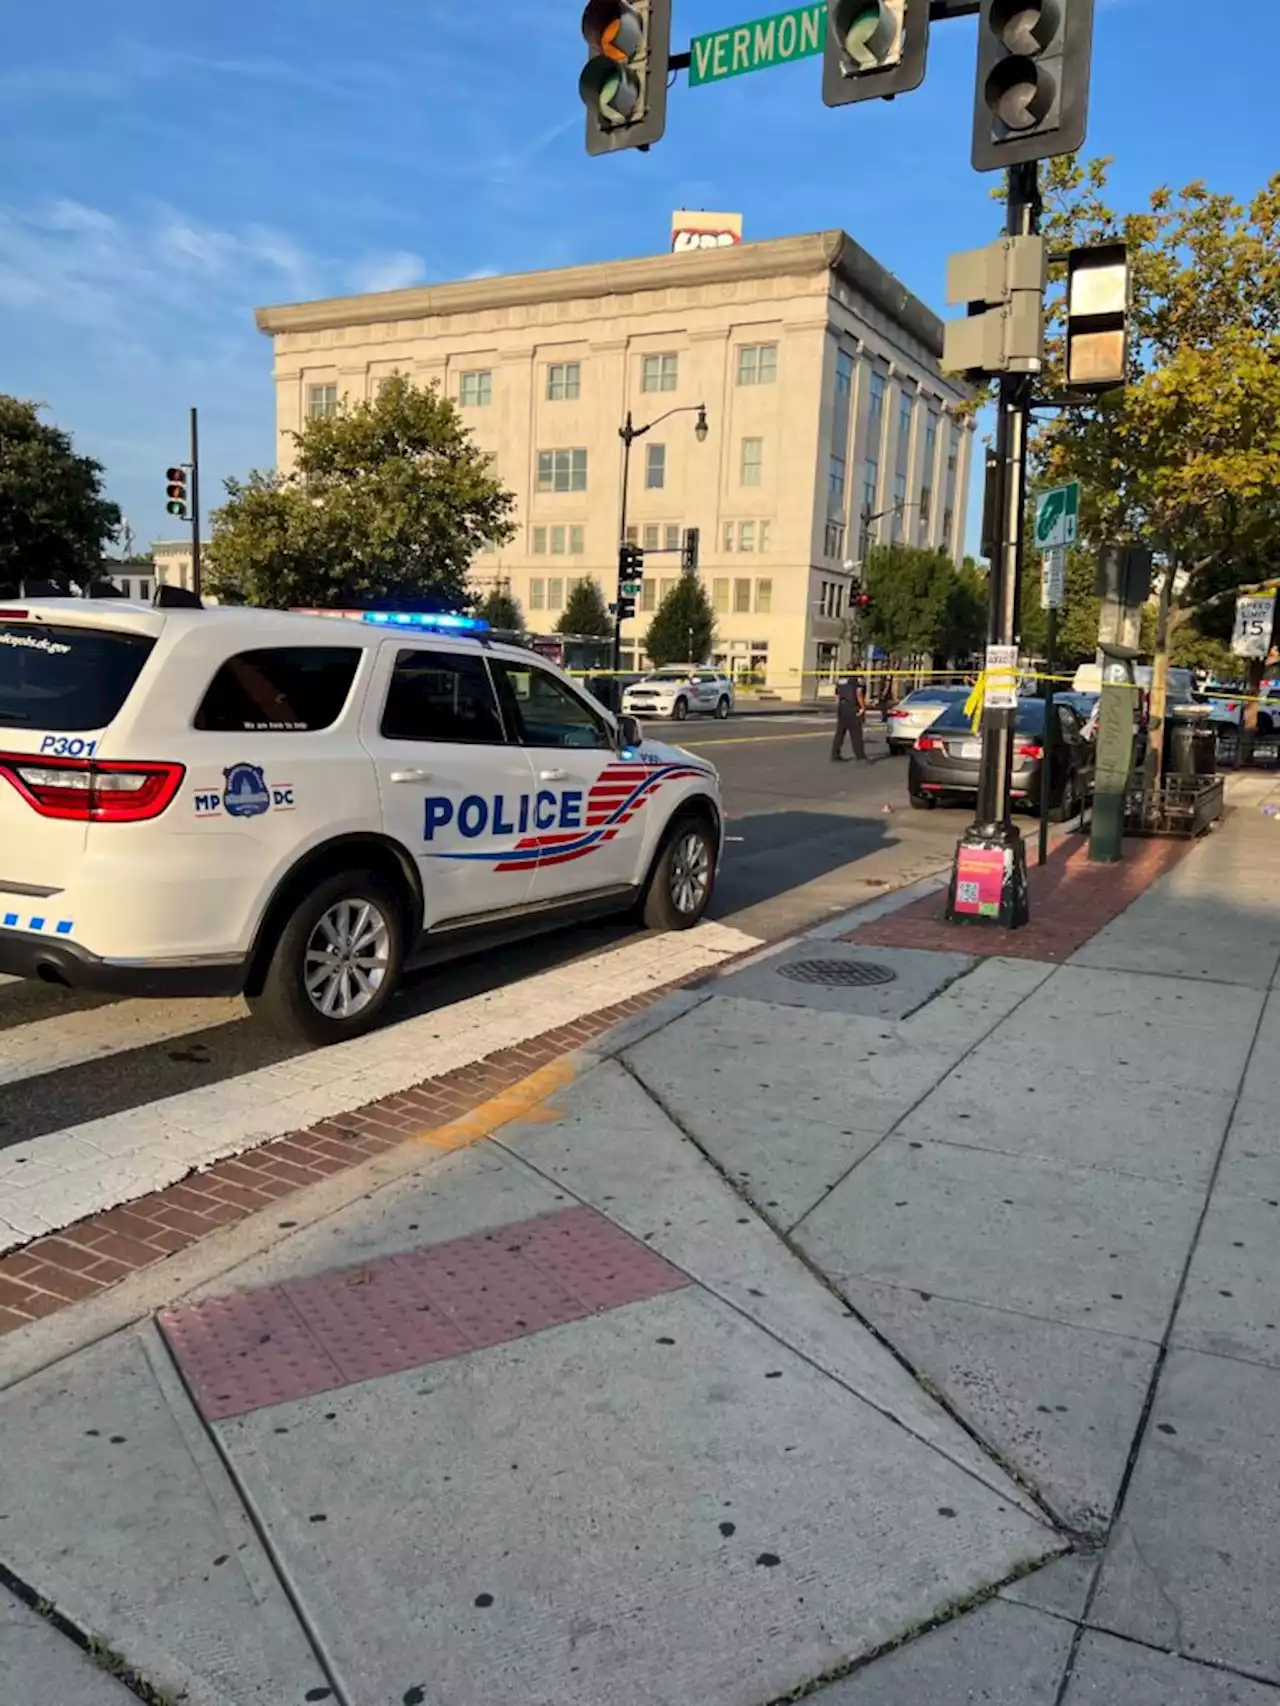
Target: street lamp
628,432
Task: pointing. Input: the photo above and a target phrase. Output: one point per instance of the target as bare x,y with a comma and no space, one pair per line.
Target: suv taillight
93,790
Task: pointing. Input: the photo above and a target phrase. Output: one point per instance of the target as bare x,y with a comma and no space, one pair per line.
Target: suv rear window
66,679
279,690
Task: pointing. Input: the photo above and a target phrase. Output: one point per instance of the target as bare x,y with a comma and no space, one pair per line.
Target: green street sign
1057,517
629,589
798,34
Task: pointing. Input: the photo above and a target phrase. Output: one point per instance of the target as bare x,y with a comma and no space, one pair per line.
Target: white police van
214,801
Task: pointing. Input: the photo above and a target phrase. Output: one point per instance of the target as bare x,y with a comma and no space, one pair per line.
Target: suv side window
544,712
441,696
279,690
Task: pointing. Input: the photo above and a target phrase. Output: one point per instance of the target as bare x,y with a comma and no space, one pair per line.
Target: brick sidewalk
63,1268
1071,900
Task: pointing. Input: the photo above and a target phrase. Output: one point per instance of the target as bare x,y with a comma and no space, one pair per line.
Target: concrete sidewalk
908,1336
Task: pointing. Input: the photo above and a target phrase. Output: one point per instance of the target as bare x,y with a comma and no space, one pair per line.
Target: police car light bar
441,623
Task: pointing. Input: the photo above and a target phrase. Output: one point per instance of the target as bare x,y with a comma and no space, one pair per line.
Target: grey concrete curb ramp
38,1664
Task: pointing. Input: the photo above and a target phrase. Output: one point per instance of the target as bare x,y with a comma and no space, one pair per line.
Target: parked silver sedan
917,711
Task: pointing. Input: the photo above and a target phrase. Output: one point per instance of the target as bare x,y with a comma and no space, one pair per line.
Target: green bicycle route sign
1057,517
765,42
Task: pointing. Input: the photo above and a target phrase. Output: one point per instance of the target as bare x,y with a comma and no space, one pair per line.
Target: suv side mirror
629,731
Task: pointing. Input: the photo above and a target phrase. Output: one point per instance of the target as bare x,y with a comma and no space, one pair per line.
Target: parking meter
1117,713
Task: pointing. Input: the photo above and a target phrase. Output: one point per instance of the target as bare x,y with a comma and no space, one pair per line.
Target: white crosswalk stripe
52,1180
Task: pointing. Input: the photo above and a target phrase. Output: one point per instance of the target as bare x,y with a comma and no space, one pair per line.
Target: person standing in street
851,709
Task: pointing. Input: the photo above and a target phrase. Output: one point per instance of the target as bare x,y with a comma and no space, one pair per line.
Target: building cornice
821,252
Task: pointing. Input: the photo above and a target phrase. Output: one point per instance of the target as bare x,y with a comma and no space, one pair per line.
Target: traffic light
875,49
1032,98
1003,288
624,82
630,575
175,491
689,555
1097,317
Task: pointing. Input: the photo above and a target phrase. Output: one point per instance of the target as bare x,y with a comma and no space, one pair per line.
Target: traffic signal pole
195,502
994,840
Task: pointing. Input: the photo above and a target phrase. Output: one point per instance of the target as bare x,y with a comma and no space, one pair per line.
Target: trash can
1193,750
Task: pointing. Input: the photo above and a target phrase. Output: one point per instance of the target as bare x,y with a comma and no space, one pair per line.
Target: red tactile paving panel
306,1337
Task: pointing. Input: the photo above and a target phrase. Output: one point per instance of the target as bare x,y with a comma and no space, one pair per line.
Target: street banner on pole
1000,680
1057,517
1255,618
1053,577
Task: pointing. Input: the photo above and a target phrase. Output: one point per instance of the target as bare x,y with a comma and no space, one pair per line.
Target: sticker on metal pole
1053,578
1057,517
1000,679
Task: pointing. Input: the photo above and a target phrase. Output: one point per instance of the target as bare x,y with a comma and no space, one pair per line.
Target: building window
930,439
562,470
322,401
659,372
870,481
875,405
947,518
844,373
904,417
475,390
652,536
833,544
730,535
751,462
648,594
764,598
633,536
742,598
565,539
664,587
764,535
899,503
564,382
953,450
537,594
757,364
671,536
926,500
555,595
655,467
746,536
720,597
539,541
144,592
835,480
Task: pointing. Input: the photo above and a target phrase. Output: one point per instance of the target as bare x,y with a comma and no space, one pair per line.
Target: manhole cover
838,974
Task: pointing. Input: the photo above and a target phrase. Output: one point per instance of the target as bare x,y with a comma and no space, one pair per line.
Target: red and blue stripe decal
621,790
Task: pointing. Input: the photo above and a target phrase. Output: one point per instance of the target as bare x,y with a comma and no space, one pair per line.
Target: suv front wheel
683,876
336,961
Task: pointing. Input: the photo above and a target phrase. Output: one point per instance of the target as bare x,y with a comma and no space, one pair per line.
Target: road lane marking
756,740
51,1181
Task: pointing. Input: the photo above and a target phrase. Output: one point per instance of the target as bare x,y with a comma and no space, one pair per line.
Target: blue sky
166,169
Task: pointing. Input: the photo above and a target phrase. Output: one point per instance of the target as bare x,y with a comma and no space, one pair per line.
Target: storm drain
838,974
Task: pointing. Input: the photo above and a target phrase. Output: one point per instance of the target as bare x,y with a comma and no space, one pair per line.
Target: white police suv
214,801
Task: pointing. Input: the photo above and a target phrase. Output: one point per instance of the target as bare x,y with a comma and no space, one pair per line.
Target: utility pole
989,876
195,503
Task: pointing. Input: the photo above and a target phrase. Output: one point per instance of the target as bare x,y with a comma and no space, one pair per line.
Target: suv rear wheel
336,962
683,876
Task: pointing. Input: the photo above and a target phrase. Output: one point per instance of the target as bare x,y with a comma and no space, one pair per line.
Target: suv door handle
410,775
553,775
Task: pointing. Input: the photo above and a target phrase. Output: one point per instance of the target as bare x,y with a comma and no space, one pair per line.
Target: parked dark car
945,760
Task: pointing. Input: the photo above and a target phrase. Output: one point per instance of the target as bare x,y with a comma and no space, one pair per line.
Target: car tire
722,707
896,749
680,710
687,857
1069,804
356,907
922,802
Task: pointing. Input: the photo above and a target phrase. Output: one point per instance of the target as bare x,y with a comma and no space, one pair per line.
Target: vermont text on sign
752,47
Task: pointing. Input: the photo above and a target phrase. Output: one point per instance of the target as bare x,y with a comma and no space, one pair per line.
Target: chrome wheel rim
348,958
690,873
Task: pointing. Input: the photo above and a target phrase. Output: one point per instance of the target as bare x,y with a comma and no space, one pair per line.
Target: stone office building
824,399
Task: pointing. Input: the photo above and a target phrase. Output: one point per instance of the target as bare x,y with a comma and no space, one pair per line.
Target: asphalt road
807,838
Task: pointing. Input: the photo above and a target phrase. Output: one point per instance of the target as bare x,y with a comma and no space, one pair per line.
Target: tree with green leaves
585,611
920,603
683,626
388,499
54,520
1185,458
501,609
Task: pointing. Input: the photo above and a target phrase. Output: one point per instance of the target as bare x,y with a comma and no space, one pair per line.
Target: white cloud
394,271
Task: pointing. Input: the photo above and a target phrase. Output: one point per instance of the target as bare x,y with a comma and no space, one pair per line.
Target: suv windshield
669,675
66,679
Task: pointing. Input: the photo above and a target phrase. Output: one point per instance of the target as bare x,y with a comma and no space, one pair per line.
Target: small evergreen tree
683,625
586,611
501,609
